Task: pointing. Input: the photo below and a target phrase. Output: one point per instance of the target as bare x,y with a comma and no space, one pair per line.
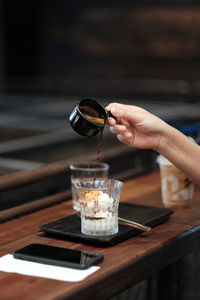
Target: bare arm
139,128
182,152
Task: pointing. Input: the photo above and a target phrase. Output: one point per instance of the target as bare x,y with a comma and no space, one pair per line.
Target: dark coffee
99,151
88,118
99,146
92,115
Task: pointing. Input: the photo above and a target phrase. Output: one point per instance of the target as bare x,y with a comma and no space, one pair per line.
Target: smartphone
58,256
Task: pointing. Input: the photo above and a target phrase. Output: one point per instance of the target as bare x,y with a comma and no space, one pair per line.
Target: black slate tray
69,227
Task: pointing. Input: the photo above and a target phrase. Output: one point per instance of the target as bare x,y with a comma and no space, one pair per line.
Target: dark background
97,48
52,53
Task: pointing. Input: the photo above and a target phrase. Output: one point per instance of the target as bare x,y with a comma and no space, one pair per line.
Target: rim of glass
89,165
99,180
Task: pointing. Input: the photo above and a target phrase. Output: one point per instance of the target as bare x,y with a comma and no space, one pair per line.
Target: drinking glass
88,170
99,202
177,189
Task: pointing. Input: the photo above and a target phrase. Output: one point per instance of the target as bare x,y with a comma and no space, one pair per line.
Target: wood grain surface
124,264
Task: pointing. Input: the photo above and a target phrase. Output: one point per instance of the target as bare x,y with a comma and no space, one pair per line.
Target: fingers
118,110
119,129
111,121
125,138
114,108
127,112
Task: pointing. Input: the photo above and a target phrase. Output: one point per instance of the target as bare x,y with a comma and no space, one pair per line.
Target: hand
139,128
135,126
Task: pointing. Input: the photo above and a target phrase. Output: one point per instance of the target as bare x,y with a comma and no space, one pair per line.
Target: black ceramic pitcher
89,117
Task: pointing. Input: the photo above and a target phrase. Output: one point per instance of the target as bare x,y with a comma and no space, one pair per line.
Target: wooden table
124,264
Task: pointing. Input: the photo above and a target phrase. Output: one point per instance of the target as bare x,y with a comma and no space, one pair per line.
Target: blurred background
52,53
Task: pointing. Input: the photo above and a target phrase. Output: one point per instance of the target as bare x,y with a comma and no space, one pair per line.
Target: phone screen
58,256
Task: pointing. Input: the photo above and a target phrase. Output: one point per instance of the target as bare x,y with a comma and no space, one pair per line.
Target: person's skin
139,128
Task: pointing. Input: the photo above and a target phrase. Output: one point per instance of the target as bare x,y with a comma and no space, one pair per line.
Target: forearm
182,152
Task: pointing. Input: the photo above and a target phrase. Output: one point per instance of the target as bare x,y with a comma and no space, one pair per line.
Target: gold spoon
130,223
134,224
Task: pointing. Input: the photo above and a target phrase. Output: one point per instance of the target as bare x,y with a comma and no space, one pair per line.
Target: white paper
10,264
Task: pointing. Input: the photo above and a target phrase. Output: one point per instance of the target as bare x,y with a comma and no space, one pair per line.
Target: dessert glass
99,202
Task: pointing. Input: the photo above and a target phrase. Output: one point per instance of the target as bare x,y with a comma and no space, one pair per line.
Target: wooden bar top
124,264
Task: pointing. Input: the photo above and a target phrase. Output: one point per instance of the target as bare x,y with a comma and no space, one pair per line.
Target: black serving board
69,227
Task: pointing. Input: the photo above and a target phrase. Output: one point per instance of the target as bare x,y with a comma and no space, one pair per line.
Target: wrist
174,145
167,139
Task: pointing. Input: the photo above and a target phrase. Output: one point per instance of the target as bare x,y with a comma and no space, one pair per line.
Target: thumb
120,110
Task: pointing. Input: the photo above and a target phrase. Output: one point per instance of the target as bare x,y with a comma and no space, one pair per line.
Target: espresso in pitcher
92,115
88,118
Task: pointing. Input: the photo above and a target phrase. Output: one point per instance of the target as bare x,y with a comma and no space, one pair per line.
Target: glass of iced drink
177,189
99,202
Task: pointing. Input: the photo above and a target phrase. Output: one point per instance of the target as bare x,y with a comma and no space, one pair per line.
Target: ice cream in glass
99,201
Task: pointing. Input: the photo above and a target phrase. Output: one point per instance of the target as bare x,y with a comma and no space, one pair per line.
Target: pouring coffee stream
89,118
